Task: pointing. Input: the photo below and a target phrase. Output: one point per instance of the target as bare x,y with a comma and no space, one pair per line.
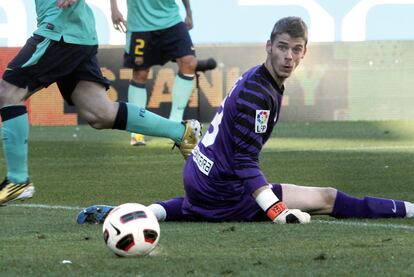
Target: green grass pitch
74,167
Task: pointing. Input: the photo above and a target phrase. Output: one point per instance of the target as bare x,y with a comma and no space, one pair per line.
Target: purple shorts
204,203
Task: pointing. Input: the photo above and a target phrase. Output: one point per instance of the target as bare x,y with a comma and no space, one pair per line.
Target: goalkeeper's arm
276,210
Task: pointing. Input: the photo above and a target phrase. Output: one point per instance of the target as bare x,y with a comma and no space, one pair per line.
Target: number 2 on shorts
139,46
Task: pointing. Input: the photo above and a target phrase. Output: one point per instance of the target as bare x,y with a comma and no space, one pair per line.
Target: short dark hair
293,26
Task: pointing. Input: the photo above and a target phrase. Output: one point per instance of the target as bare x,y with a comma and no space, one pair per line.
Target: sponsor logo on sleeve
262,117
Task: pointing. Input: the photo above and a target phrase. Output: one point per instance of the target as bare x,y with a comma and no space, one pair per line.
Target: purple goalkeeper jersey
223,170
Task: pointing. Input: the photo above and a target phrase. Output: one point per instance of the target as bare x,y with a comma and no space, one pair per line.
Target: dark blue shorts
158,47
42,62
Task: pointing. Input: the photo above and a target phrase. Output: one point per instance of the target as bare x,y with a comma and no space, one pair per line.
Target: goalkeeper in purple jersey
222,177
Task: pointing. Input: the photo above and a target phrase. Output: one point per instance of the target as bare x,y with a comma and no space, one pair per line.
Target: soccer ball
131,230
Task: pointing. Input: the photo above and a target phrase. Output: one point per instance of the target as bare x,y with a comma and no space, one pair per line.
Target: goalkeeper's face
284,55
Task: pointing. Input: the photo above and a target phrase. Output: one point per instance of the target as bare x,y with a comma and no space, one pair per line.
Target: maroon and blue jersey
223,170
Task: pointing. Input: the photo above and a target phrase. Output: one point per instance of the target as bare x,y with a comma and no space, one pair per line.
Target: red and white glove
279,213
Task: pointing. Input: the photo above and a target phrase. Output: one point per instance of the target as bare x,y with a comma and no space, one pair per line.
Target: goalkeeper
222,178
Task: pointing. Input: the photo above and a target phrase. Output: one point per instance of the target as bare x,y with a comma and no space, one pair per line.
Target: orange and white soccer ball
131,229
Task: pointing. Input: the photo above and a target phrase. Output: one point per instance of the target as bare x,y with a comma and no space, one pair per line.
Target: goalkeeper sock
409,208
134,119
182,89
173,209
15,133
159,211
346,206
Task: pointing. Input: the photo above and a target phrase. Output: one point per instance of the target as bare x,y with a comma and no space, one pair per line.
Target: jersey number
209,138
139,45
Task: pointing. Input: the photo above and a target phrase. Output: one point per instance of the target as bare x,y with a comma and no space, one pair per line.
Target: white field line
333,222
48,207
344,149
365,224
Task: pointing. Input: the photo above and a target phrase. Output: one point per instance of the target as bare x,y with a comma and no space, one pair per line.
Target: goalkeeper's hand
292,216
282,215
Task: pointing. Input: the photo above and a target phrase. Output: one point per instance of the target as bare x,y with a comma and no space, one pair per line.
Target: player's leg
85,88
38,64
176,45
169,210
100,112
347,206
137,56
16,86
330,201
183,86
15,133
137,94
313,200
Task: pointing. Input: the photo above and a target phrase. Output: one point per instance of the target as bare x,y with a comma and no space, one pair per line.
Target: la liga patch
262,117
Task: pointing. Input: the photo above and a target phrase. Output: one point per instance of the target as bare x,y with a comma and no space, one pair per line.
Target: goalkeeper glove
279,213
